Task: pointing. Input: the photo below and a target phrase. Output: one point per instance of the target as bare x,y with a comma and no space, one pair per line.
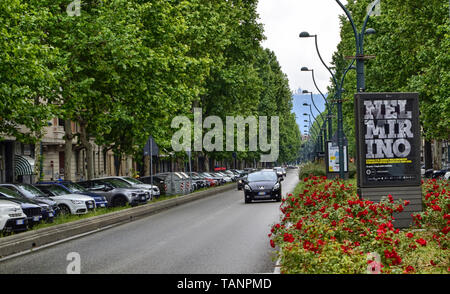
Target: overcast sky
284,20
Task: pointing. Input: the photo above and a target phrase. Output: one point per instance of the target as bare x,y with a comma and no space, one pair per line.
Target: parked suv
67,203
116,192
73,188
154,190
49,207
12,218
32,211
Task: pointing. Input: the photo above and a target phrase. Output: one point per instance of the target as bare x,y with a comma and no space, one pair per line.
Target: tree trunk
428,160
68,137
437,154
206,163
88,146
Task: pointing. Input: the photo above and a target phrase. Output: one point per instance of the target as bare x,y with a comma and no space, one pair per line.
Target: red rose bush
327,228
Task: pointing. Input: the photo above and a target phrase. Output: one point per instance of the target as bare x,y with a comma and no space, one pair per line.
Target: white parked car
447,175
67,203
12,218
154,190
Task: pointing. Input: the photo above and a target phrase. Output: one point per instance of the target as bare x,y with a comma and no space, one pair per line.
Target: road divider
36,238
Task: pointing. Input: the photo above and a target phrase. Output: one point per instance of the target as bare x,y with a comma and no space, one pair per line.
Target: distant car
262,185
12,218
154,190
49,207
240,180
74,188
117,192
32,211
68,203
447,175
279,171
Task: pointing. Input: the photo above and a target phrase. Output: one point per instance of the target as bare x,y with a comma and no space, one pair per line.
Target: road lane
218,234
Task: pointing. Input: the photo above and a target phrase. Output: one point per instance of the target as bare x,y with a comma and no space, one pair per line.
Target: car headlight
247,187
76,201
276,186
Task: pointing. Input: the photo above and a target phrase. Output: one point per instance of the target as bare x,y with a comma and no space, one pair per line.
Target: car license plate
90,206
19,222
261,193
102,205
144,198
36,218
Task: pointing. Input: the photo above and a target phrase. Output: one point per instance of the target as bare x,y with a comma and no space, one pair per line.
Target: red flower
446,230
325,215
410,235
432,263
272,243
409,269
421,242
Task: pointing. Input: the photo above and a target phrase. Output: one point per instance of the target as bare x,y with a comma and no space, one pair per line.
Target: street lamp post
323,129
359,40
327,104
338,96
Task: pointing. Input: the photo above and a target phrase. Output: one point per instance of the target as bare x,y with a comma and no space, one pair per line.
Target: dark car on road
31,209
262,185
49,207
74,188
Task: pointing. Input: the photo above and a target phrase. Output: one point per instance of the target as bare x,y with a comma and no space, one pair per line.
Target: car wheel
119,201
247,200
64,209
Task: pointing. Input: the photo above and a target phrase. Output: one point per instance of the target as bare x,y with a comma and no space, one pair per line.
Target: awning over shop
24,165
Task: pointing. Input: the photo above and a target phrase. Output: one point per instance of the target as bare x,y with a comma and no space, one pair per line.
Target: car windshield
132,180
116,183
30,190
57,190
75,188
10,194
262,176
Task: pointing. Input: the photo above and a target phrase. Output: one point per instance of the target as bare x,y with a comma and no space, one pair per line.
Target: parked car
116,192
68,203
158,180
209,182
154,190
439,174
219,180
49,207
447,175
32,210
225,177
262,185
73,188
12,218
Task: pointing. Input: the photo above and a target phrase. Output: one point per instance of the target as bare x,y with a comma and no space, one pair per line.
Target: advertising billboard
388,139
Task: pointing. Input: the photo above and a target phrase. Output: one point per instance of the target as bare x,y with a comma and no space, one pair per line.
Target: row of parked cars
24,205
170,183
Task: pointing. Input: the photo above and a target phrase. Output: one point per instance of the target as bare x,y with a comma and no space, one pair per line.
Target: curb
33,239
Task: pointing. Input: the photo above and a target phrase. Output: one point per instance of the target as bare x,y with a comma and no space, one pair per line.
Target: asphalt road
216,235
